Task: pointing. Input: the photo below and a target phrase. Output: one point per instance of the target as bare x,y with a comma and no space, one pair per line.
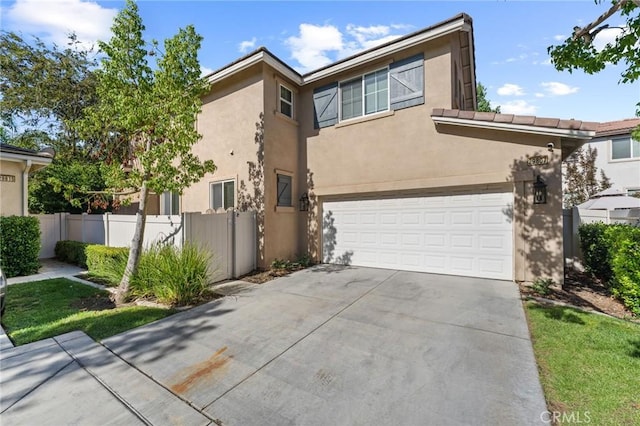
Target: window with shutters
399,86
223,195
364,95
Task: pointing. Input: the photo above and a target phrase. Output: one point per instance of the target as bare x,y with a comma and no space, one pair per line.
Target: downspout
25,188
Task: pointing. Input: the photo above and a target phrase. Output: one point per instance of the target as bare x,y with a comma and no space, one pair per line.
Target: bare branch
584,31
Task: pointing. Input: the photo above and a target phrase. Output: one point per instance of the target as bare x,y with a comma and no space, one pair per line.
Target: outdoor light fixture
539,191
304,203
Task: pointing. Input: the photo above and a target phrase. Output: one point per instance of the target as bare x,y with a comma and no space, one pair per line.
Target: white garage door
466,234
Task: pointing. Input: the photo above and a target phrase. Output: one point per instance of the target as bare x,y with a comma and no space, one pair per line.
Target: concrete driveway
349,346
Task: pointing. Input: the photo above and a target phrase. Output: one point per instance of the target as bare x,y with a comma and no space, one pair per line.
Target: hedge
106,264
612,253
19,245
73,252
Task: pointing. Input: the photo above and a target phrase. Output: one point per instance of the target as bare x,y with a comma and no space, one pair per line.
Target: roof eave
458,24
35,159
261,55
538,130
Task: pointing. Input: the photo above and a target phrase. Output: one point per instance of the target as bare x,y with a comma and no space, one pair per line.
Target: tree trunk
136,247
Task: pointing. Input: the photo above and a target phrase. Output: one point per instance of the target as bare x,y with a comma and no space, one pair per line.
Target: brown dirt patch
584,291
95,303
260,277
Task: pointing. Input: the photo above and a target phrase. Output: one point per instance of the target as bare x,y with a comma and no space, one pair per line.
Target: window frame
281,100
363,93
172,199
633,156
222,183
290,177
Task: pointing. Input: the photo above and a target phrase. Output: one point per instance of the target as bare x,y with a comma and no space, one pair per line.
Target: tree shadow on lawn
559,313
634,350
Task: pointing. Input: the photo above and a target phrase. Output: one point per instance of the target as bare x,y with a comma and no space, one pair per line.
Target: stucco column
25,188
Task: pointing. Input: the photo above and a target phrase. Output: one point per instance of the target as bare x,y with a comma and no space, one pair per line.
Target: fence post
64,226
231,220
83,231
105,221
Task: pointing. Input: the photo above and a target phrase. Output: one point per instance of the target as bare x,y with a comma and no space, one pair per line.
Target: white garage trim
459,233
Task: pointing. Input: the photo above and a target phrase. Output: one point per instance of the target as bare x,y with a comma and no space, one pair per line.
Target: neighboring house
619,154
399,170
15,165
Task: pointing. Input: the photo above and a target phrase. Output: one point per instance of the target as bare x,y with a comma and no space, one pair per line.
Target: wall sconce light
539,191
304,203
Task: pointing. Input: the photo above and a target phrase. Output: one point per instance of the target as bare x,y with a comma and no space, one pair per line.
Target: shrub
19,245
73,252
106,264
542,286
624,249
595,250
172,275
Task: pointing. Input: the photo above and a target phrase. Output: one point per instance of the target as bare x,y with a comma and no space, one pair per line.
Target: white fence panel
245,243
212,232
52,230
120,229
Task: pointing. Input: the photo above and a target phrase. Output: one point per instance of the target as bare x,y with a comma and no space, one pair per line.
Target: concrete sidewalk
49,269
71,379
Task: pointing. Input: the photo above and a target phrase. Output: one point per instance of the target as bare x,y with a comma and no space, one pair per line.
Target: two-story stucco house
399,170
619,154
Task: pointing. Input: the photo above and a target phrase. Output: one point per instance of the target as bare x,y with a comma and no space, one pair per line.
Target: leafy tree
484,104
581,177
145,120
44,92
578,51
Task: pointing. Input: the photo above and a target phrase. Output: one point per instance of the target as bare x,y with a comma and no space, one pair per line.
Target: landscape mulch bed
585,292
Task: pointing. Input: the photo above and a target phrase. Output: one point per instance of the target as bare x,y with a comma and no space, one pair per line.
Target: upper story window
169,203
364,95
286,101
399,86
625,148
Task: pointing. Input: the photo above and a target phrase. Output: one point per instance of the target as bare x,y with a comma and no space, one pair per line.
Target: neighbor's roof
527,123
619,127
16,153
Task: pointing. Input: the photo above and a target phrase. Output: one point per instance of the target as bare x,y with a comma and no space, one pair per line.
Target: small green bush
624,249
172,275
595,250
542,286
19,245
73,252
106,264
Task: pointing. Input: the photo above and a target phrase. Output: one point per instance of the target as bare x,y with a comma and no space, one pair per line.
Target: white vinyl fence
230,236
573,218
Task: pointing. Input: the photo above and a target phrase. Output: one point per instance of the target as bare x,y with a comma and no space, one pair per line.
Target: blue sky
511,40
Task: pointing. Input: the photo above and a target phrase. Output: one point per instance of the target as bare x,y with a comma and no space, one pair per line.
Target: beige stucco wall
403,151
11,192
281,156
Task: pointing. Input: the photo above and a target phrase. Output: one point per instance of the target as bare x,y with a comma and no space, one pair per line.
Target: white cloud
54,20
519,107
606,36
310,48
247,45
559,37
539,95
205,71
555,88
318,45
509,89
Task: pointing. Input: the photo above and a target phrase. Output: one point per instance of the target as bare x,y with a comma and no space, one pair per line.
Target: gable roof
524,123
619,127
16,153
460,22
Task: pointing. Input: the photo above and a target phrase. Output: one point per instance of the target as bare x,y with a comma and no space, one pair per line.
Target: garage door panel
462,233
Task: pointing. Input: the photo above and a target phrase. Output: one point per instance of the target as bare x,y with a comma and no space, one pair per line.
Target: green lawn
589,364
42,309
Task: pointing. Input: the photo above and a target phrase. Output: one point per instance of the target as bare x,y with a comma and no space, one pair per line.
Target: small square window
223,195
284,191
286,101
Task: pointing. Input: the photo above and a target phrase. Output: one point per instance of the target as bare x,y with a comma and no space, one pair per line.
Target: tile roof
523,120
618,127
